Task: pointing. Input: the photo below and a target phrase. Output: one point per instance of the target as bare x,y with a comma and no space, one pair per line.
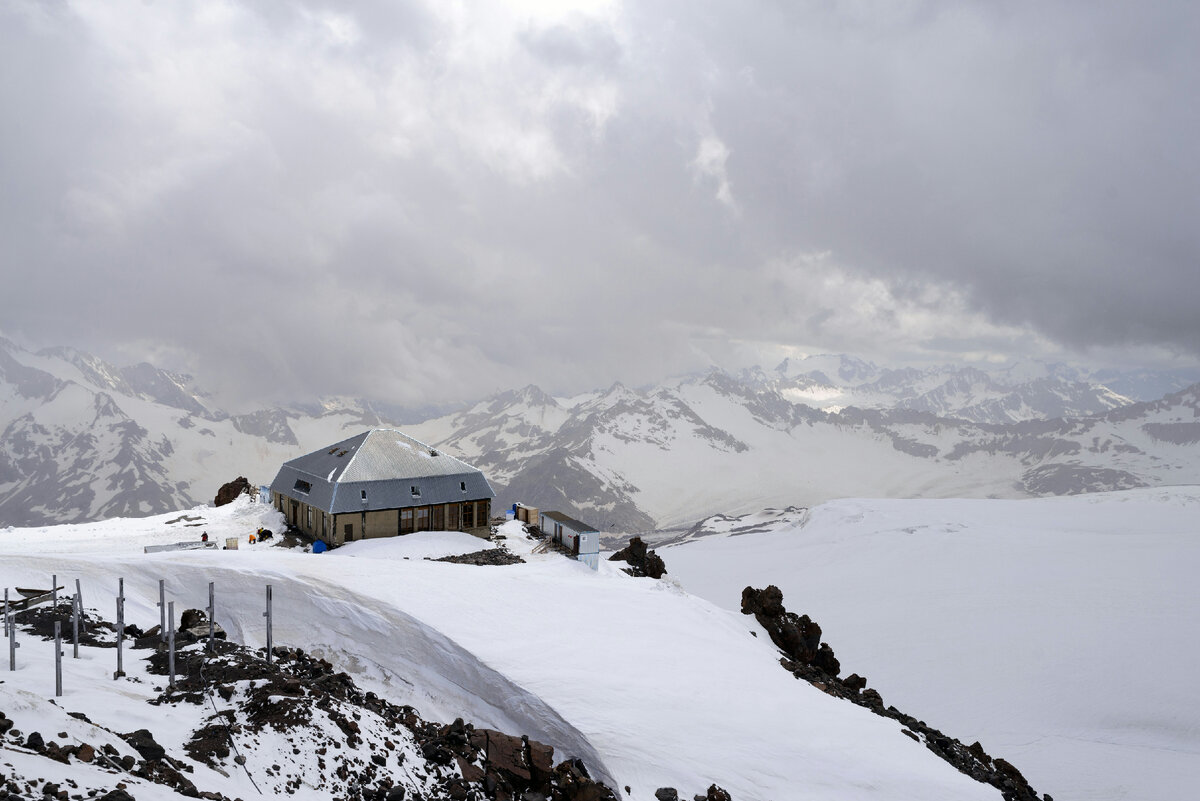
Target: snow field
649,685
1059,632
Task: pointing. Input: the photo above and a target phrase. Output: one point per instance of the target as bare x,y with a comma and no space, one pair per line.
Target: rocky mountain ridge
81,439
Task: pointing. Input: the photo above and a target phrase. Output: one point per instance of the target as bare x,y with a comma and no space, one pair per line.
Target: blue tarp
320,547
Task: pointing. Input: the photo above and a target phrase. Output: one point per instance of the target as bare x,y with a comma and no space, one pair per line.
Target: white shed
582,539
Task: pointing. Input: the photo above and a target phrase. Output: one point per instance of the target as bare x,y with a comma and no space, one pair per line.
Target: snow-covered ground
1063,633
649,685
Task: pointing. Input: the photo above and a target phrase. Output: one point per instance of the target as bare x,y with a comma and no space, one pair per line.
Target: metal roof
569,522
393,469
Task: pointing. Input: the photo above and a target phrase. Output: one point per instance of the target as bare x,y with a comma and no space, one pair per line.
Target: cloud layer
430,202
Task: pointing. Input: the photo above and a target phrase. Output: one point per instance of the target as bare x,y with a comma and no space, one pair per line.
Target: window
462,485
406,521
416,491
438,520
422,518
452,516
363,493
468,515
310,518
302,486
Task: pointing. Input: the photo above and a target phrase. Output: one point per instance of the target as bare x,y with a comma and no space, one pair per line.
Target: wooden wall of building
472,516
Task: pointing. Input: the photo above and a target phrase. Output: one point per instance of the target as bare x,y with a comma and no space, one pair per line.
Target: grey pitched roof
385,464
569,522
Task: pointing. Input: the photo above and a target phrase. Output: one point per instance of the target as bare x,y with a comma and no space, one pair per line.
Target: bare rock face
228,492
642,561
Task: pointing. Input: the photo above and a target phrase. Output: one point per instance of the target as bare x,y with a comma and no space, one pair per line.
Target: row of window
305,487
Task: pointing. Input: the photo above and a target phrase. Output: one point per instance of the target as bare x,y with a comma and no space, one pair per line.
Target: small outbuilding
526,514
582,539
381,483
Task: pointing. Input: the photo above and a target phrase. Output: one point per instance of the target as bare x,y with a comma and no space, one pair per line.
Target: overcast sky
427,202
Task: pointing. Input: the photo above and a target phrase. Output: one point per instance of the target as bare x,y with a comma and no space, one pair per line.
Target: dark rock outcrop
228,493
642,561
808,658
798,636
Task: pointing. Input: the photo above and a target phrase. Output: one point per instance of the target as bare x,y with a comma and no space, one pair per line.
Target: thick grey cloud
430,202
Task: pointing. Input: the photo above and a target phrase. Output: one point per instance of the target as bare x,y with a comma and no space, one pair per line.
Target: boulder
855,682
144,743
228,493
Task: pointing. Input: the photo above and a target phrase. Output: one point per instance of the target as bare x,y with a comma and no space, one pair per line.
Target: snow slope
649,685
1061,632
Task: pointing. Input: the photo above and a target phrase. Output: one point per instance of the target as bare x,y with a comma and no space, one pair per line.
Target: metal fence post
212,617
171,648
57,658
75,605
162,610
267,615
6,611
13,645
120,628
79,595
54,589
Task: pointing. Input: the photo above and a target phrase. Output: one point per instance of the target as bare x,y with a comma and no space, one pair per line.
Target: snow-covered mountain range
81,439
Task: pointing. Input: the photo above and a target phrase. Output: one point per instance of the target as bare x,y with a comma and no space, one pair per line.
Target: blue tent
320,547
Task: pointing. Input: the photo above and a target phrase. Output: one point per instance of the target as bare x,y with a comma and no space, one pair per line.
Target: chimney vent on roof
433,452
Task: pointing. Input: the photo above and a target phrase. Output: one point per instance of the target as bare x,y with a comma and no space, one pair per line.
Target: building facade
381,483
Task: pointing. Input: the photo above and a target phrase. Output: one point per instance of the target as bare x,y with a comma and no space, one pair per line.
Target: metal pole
54,589
171,648
79,594
120,628
58,658
162,610
267,615
6,611
13,645
212,616
75,604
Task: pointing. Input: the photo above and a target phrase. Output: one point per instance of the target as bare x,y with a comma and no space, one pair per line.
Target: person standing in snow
204,537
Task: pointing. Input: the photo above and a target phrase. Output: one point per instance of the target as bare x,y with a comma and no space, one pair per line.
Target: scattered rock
666,793
489,556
